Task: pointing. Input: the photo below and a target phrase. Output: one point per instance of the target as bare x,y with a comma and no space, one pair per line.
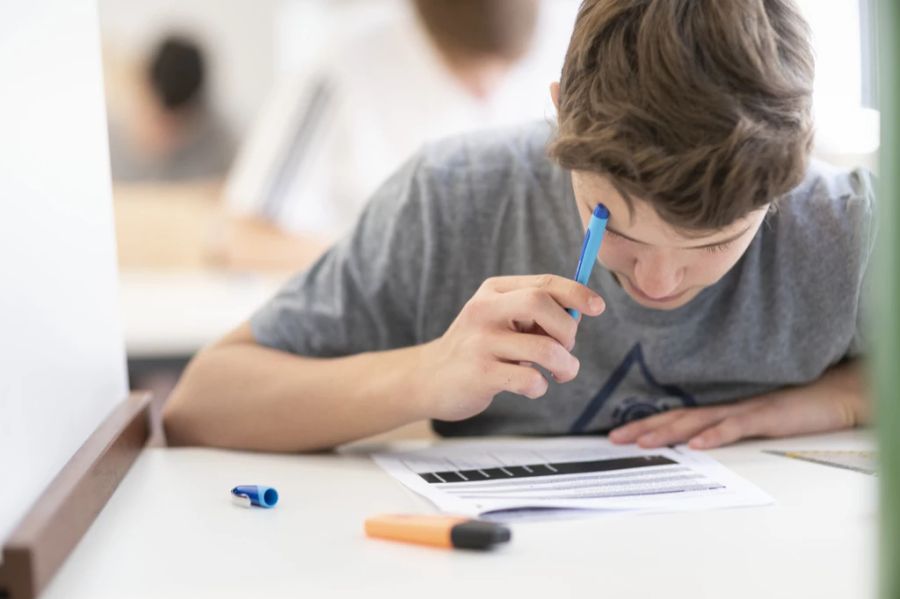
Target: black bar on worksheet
533,470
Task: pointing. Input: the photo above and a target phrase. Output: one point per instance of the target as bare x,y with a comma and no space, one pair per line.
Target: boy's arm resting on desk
835,401
240,394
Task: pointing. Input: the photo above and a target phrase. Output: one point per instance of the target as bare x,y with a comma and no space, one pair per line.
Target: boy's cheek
715,267
612,259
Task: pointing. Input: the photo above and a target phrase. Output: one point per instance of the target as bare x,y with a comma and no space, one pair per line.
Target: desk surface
189,274
172,298
172,314
170,530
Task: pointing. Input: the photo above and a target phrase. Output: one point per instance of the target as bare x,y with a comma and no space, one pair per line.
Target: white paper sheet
497,477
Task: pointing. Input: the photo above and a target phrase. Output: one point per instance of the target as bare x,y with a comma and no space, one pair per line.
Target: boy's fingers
729,430
763,419
566,292
537,349
508,283
514,378
534,306
679,430
631,431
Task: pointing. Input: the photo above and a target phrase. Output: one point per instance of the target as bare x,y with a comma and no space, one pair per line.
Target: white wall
846,132
62,360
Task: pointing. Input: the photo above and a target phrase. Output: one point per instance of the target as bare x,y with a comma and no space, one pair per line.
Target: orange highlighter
438,530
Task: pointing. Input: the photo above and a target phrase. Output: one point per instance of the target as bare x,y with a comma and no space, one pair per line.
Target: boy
726,305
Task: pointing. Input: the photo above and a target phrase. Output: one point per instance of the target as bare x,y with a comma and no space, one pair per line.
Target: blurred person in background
331,134
170,133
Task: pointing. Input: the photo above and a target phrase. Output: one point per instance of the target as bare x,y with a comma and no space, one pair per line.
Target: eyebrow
692,247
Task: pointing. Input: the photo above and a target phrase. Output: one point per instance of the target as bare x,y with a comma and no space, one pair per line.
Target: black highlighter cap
478,534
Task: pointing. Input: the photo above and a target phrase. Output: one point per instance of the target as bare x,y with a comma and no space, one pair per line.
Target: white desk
171,531
172,314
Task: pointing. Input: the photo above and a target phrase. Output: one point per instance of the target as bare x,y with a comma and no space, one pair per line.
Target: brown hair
479,28
699,107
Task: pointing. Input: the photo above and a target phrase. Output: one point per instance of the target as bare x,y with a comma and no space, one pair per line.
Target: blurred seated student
168,131
374,94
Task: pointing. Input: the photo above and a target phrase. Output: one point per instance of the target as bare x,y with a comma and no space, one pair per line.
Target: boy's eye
714,249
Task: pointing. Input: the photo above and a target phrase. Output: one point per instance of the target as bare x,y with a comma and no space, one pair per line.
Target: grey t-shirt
492,203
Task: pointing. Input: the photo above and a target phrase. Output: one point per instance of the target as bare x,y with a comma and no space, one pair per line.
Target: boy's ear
554,94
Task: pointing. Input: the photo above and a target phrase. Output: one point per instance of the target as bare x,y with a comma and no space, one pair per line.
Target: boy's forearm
836,401
250,397
842,386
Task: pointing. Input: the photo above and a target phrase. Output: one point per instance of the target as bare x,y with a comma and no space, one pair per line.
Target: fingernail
697,443
596,303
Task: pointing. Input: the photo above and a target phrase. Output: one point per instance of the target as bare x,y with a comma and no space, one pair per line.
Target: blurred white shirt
332,133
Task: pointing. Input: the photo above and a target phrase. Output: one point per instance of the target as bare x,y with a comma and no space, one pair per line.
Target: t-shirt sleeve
864,207
363,294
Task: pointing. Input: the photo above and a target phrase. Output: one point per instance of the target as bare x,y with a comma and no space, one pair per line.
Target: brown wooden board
52,528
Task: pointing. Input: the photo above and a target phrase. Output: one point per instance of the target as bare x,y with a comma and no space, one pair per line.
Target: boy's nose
657,277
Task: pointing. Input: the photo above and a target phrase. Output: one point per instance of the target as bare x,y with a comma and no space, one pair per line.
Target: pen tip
601,211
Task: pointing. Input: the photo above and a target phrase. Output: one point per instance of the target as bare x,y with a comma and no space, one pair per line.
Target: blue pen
247,495
589,248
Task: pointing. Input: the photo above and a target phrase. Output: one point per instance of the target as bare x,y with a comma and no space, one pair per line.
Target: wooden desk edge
54,525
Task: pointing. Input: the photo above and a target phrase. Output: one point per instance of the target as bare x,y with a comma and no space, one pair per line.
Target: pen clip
241,500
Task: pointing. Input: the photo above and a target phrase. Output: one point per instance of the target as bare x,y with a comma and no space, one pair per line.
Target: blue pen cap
601,211
258,495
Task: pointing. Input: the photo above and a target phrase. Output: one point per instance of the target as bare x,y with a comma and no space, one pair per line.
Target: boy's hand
834,402
509,325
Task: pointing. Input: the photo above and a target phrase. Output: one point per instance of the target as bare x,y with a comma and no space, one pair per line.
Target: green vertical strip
887,292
